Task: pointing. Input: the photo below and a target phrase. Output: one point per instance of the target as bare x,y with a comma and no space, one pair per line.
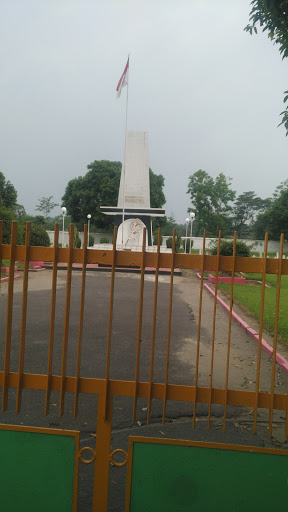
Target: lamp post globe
187,222
88,217
192,217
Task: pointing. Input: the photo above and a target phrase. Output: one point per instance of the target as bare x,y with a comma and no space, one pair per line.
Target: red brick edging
283,363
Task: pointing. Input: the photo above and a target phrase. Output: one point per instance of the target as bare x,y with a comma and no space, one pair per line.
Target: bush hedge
226,249
169,242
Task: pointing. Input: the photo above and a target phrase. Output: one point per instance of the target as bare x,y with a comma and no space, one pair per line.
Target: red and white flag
123,80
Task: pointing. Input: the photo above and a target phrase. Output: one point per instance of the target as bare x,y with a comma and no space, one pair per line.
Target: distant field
249,296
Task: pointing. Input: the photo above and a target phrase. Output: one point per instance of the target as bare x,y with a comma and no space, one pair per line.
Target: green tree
99,187
6,215
277,215
46,205
272,16
274,216
211,202
8,194
260,226
244,211
8,207
19,211
157,197
168,224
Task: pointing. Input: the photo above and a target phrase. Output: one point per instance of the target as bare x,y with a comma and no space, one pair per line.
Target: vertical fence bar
23,318
139,330
82,301
103,449
213,330
52,319
9,315
169,326
154,327
66,320
229,331
276,333
110,324
199,331
1,241
260,333
286,427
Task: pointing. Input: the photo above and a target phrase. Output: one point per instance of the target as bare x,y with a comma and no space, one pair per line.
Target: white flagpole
124,163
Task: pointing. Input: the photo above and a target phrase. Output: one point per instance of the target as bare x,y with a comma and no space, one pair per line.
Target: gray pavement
242,373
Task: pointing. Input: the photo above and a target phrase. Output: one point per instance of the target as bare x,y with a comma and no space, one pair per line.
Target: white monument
133,211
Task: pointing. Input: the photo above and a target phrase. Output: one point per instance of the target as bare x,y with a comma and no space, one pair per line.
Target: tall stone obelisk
134,194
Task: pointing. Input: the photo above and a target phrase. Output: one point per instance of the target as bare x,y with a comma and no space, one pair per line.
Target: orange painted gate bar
107,388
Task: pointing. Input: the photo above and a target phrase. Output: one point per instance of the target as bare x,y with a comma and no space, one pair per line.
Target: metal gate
104,386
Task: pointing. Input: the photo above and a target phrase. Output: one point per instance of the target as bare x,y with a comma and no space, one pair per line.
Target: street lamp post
187,222
64,210
192,217
88,217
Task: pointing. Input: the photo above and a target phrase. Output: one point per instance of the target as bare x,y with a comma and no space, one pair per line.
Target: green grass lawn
249,296
5,263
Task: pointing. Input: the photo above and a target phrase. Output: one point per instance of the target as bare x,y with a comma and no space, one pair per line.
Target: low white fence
255,245
64,240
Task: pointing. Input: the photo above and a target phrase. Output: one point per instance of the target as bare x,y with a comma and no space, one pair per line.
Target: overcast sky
208,94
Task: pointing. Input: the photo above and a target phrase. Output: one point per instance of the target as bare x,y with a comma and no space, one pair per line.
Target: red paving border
2,279
283,363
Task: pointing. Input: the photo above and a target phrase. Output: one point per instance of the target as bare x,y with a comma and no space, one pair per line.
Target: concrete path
242,373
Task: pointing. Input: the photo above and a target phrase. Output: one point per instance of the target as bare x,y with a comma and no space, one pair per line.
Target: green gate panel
180,476
38,470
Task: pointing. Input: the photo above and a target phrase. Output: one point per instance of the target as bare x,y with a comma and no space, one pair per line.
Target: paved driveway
123,353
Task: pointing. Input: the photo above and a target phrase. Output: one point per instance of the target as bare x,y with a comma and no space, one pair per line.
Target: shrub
21,230
226,249
39,236
187,245
169,242
155,238
91,241
103,240
77,241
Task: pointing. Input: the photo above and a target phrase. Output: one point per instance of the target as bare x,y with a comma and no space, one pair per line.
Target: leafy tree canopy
6,215
211,202
272,16
8,194
274,219
244,210
46,205
99,187
19,211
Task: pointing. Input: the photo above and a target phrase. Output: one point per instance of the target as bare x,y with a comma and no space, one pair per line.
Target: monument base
130,233
136,248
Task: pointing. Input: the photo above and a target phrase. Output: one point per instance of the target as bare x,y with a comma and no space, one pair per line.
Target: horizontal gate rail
126,388
133,259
